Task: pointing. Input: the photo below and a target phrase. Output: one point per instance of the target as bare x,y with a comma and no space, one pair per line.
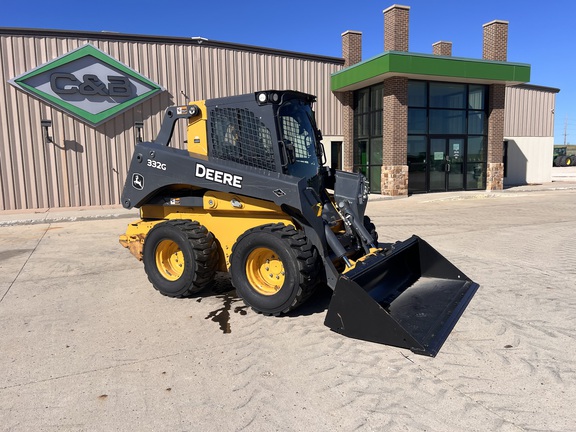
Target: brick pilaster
352,54
495,40
351,47
395,137
347,100
396,23
495,47
442,48
496,103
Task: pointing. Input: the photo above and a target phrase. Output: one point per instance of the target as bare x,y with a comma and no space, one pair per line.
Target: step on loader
250,195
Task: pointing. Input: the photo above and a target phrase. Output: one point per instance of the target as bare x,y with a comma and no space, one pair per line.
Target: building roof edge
108,35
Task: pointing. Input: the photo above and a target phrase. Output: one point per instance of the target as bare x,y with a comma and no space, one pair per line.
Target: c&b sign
88,84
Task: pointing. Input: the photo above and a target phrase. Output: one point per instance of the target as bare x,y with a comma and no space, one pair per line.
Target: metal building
59,151
76,103
528,134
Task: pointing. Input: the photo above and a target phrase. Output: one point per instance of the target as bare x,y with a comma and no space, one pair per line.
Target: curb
59,219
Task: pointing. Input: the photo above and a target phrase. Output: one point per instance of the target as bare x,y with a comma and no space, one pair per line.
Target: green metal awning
428,67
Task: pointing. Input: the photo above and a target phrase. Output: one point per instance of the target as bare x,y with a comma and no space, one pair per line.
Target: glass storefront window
417,120
477,122
416,149
376,123
476,97
376,151
447,121
475,176
376,97
476,149
361,152
368,123
417,94
361,126
447,95
375,178
362,101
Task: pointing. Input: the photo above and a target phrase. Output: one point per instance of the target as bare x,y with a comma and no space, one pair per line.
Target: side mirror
321,154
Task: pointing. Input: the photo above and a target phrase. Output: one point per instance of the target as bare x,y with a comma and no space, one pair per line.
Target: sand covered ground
88,345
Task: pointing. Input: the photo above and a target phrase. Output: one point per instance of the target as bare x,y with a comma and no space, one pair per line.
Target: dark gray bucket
409,297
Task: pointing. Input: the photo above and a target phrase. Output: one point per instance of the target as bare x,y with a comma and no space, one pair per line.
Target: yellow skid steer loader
251,196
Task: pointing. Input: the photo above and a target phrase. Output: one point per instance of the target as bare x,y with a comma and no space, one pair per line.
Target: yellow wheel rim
169,260
265,271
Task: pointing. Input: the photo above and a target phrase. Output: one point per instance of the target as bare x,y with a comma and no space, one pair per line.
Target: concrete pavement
88,345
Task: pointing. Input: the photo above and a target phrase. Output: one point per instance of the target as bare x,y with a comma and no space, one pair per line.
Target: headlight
262,98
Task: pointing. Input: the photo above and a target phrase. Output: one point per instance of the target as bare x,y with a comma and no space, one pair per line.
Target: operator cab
271,130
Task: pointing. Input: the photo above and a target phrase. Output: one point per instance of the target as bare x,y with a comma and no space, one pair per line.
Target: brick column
495,47
495,40
395,137
352,54
495,174
396,19
351,47
394,180
442,48
347,101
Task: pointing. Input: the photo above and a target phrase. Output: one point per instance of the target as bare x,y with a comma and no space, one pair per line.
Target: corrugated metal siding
86,166
529,111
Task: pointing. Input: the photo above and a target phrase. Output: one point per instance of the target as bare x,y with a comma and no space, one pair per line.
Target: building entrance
446,164
447,136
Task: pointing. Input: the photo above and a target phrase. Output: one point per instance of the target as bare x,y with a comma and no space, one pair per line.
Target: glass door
437,165
455,160
446,164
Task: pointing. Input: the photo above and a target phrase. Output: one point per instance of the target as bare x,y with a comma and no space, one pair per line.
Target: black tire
180,257
563,161
371,228
290,277
557,161
570,160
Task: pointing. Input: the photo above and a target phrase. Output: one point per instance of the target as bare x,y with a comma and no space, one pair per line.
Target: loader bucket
409,297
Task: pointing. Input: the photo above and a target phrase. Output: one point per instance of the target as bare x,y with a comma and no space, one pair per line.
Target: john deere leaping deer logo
137,181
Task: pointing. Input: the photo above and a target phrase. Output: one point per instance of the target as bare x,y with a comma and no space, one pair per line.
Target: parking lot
88,345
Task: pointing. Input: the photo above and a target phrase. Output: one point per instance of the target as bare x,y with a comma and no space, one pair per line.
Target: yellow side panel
196,134
226,216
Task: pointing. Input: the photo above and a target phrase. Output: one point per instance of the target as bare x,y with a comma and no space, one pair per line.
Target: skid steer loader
251,195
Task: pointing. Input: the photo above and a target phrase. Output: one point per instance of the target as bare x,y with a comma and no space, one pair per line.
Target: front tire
180,257
274,268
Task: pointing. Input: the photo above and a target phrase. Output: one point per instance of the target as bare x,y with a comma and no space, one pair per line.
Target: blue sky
542,34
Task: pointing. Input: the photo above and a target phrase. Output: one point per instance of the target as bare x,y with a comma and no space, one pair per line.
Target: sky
541,34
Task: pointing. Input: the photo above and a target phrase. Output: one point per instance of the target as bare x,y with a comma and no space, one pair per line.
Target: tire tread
309,262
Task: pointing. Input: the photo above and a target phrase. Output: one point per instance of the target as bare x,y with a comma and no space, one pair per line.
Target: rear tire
274,268
180,257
